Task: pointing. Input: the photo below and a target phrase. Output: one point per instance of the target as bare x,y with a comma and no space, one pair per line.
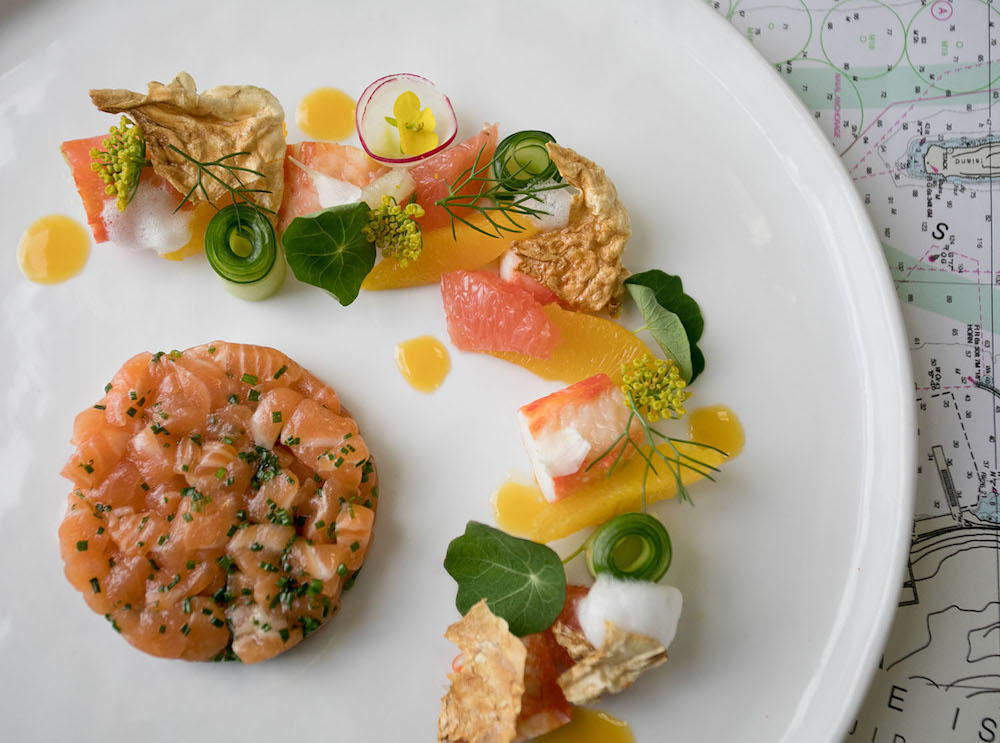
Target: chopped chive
233,399
100,529
225,562
162,539
355,546
220,473
196,438
175,354
241,515
131,412
315,586
342,570
211,349
95,584
184,468
253,395
249,379
284,635
81,546
232,530
280,371
190,564
188,517
293,441
267,567
186,605
107,388
101,407
226,440
145,487
185,630
87,467
276,416
142,401
170,517
319,524
132,395
145,520
339,461
216,622
256,547
174,582
163,628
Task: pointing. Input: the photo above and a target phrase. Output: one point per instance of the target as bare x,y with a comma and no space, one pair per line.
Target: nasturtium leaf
328,249
668,292
665,327
522,581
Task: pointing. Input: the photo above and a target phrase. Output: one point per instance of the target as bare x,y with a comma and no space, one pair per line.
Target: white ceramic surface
789,566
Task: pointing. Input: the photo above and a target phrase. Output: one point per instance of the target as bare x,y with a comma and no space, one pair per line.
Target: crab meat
572,436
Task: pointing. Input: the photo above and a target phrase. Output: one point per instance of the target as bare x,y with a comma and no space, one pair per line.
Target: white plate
789,566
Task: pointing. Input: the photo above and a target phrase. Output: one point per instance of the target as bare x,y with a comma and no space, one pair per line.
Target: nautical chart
906,92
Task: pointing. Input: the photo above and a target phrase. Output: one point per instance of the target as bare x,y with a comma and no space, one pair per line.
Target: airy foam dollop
642,607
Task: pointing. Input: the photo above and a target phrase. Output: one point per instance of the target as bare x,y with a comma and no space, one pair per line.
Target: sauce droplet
53,249
590,726
326,113
423,362
717,425
516,506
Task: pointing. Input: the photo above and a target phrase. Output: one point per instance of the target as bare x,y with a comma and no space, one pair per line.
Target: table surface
905,91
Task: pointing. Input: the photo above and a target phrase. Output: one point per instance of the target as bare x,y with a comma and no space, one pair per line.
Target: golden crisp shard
208,126
572,640
613,668
484,701
582,262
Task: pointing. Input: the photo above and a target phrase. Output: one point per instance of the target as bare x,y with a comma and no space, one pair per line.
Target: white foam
149,222
556,202
649,609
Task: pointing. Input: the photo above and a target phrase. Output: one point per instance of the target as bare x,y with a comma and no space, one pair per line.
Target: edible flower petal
415,125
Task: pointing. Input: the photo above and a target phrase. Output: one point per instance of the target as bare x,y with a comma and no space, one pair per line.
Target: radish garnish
403,119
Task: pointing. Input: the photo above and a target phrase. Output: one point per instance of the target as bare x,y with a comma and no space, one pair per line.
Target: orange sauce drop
716,425
423,362
203,214
53,249
326,113
516,506
590,726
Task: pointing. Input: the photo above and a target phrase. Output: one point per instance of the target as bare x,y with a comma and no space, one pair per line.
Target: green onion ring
633,546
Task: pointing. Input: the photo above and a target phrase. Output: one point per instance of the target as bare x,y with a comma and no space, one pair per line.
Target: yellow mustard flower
657,386
415,125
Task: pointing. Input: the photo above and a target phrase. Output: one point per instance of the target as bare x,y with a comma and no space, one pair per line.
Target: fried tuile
582,262
484,701
615,667
572,640
208,126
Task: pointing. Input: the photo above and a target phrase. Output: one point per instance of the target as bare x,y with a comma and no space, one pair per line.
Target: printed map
906,92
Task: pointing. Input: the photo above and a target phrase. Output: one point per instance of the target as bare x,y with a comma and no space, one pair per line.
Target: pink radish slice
380,139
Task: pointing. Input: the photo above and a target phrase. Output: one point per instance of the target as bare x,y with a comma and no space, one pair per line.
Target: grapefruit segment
487,314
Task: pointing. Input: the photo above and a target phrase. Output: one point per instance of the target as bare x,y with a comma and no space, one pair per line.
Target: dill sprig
237,193
674,461
492,199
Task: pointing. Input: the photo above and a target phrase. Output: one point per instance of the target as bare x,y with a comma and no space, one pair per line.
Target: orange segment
442,253
590,345
528,514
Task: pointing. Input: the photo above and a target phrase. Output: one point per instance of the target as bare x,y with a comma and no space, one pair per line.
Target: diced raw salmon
187,528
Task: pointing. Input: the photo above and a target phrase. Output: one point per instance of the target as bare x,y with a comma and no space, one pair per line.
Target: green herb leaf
668,293
522,581
328,249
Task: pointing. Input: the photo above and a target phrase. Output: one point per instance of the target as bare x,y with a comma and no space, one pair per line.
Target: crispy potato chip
484,701
582,262
614,667
219,122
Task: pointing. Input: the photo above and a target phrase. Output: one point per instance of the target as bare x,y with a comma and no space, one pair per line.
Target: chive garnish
280,371
95,584
81,546
220,473
249,379
107,388
253,395
276,416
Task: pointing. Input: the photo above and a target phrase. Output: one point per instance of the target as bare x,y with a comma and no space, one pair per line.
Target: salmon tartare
222,500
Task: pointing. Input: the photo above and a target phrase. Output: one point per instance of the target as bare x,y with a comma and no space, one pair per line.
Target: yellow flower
415,125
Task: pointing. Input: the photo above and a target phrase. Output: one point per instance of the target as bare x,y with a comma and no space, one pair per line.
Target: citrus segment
590,345
467,250
485,313
523,510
